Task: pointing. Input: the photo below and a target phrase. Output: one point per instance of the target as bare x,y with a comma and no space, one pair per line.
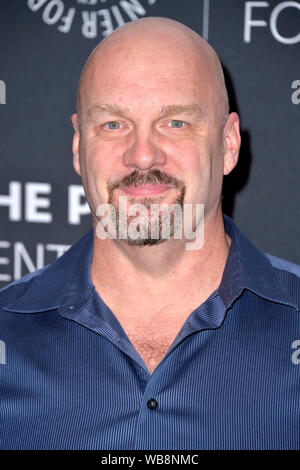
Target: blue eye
177,124
113,125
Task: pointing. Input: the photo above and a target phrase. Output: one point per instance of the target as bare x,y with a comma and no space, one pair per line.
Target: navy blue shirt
230,380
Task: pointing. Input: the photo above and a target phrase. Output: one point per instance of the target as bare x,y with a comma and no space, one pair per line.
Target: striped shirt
230,380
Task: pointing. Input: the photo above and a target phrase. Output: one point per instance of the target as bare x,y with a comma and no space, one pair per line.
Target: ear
231,142
75,146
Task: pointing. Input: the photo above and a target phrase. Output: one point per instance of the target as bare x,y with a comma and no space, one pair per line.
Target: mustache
151,177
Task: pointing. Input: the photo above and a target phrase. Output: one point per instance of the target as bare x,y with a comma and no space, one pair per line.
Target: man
136,342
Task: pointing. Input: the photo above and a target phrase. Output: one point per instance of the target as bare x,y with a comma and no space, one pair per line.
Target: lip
146,190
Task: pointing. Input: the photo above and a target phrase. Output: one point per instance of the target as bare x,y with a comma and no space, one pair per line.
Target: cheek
204,173
184,159
195,162
101,161
97,168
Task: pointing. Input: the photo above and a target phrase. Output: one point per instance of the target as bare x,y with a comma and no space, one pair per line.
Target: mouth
146,190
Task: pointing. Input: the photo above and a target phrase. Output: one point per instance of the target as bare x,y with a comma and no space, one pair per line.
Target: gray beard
155,229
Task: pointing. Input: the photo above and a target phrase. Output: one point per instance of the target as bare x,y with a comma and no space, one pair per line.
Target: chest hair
151,347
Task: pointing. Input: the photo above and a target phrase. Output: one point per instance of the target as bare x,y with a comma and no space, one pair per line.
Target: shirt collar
69,276
247,267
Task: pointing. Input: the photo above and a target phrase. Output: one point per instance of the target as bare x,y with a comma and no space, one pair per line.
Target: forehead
145,92
146,79
98,111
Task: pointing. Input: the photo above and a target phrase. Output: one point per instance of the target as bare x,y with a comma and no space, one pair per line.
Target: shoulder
288,275
41,289
17,289
284,265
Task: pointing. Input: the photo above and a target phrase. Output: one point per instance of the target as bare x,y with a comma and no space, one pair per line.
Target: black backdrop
44,44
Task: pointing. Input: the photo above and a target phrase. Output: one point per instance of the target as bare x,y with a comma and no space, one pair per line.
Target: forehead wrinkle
166,110
100,109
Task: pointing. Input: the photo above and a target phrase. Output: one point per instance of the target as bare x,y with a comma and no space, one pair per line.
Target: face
150,131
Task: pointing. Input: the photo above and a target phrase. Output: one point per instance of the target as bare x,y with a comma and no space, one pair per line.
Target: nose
144,153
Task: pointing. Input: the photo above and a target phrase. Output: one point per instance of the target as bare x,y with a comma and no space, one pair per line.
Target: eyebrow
101,109
188,109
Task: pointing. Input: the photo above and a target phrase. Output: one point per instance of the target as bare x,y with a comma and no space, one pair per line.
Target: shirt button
152,404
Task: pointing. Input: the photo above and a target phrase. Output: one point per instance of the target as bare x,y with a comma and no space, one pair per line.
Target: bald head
144,42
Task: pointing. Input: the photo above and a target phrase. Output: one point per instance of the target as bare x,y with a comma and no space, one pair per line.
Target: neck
152,274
